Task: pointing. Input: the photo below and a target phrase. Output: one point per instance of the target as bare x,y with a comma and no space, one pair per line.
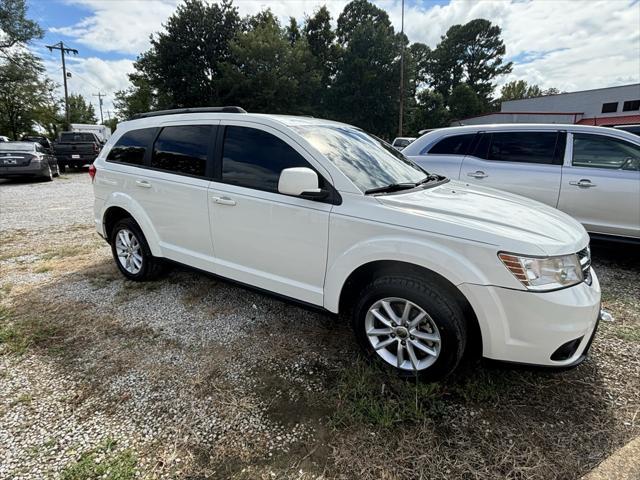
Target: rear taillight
92,172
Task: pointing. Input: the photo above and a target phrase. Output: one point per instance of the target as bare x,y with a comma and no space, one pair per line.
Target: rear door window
598,151
132,146
183,149
454,145
523,147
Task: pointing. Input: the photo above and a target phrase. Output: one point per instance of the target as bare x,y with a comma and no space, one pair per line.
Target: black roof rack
177,111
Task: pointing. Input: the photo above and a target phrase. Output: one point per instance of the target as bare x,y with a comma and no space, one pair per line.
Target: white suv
328,215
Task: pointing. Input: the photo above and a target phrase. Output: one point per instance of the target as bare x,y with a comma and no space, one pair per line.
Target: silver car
591,173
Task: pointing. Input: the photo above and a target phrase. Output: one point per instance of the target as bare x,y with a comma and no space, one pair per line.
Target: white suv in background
591,173
328,215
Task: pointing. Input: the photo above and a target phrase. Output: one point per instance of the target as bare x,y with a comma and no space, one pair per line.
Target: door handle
583,183
143,184
223,201
478,174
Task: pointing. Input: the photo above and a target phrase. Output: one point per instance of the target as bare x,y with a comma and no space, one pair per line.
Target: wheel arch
121,209
367,272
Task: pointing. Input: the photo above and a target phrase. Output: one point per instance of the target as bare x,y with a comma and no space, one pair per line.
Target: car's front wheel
131,252
411,325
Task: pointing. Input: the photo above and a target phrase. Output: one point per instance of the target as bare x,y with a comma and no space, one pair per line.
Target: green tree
365,88
15,27
320,37
465,102
472,53
269,74
24,93
518,89
430,112
184,64
81,111
293,31
138,98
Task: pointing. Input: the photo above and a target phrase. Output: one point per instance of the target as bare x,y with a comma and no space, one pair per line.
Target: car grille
584,256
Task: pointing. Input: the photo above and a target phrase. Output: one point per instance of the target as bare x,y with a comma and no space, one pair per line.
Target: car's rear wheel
48,174
131,252
410,325
56,173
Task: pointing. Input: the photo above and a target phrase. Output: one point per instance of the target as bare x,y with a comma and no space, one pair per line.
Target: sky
568,44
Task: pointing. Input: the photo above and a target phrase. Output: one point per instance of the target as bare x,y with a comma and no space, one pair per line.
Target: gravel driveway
192,377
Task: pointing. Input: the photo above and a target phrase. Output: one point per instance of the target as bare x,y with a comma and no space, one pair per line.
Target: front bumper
529,327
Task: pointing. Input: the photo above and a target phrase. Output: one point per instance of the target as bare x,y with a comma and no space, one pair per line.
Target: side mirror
300,182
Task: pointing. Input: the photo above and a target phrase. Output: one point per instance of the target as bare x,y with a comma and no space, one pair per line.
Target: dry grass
484,423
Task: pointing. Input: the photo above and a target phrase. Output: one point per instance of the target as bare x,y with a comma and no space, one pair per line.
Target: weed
102,462
42,268
628,333
18,334
365,394
23,399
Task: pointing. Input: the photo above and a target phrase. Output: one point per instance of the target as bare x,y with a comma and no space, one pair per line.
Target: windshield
402,143
369,162
16,147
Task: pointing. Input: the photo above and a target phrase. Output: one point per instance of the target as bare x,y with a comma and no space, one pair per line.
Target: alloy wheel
403,334
129,251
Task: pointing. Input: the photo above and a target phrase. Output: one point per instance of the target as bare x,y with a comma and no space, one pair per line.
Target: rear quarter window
132,146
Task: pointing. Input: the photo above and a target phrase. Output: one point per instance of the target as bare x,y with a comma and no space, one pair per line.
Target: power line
60,46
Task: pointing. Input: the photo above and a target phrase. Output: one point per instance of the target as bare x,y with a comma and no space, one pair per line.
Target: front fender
449,262
126,202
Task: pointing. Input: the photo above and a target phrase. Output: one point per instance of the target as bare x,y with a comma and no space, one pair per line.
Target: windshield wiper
392,187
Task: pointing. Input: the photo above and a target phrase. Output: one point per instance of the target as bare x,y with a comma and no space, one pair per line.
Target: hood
511,222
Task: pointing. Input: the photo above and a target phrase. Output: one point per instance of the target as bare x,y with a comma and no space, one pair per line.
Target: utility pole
60,46
100,95
401,110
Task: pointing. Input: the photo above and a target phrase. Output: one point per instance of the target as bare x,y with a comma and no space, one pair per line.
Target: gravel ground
192,377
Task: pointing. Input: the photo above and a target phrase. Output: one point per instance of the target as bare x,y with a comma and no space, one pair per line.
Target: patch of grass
365,394
42,268
5,289
628,333
20,334
103,462
64,251
23,399
481,385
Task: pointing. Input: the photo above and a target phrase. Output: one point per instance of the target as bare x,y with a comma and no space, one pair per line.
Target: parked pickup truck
75,149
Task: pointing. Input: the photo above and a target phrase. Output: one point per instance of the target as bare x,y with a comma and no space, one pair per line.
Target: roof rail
177,111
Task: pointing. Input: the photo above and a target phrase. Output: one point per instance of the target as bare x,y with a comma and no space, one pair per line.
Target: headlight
542,274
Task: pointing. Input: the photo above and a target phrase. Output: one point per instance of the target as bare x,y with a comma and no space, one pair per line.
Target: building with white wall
602,106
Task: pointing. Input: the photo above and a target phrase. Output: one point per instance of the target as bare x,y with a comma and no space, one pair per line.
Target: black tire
62,167
434,299
152,267
56,173
48,175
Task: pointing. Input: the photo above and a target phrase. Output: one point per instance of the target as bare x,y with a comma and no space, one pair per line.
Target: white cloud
90,76
576,44
120,26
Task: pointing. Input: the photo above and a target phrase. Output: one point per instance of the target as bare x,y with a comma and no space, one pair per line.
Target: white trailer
102,131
